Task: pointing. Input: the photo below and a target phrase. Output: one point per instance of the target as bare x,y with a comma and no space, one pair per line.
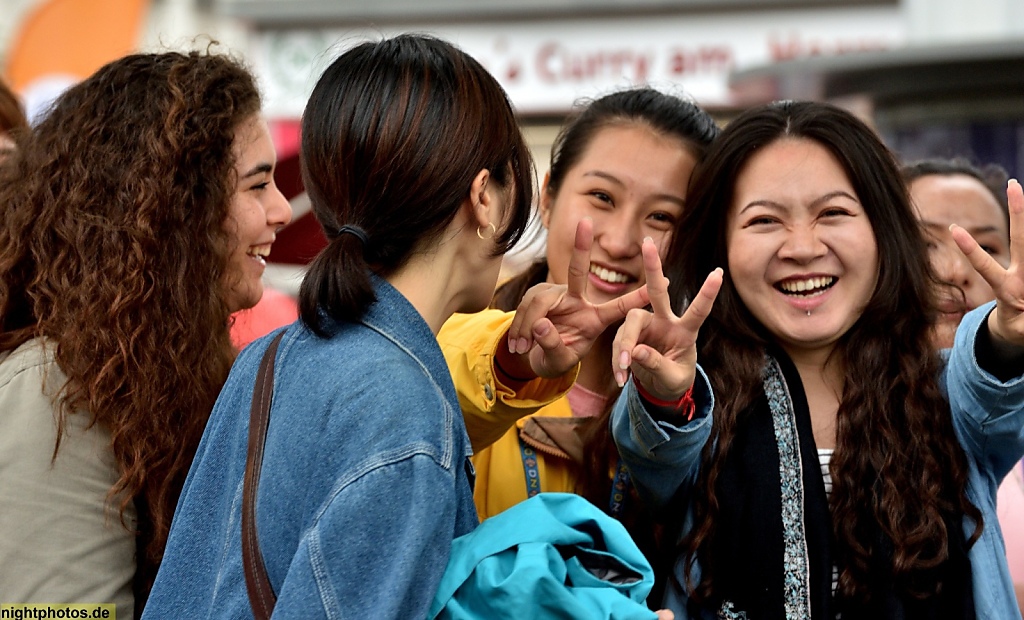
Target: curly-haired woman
135,220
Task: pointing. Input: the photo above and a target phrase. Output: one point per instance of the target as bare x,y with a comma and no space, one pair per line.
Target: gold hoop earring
490,226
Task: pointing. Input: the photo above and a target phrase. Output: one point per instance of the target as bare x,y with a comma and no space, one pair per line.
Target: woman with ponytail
420,177
620,166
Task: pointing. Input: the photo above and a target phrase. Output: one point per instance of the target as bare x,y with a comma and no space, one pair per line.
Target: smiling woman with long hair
831,463
132,217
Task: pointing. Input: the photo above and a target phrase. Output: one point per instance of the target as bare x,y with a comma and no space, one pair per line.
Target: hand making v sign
555,325
1006,322
658,346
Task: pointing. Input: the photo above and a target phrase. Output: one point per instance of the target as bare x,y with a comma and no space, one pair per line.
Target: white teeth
607,275
813,285
262,251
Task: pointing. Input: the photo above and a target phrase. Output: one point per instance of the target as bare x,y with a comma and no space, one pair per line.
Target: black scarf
756,572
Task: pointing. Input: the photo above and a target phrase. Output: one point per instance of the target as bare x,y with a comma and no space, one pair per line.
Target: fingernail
646,239
641,355
511,345
624,360
523,345
541,329
620,379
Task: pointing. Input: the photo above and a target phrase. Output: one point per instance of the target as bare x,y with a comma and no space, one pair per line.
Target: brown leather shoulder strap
261,593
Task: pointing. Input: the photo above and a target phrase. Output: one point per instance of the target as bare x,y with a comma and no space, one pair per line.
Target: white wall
183,24
961,21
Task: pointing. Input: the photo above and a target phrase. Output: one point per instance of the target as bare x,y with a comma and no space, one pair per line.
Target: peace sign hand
659,347
1006,323
556,325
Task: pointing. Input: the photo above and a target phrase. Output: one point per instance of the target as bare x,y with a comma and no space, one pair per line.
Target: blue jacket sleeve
663,457
378,549
988,413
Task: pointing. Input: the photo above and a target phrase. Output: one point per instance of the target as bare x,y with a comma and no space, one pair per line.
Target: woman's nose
802,244
279,211
951,265
619,235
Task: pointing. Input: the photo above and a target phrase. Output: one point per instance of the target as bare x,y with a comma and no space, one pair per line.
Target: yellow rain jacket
498,417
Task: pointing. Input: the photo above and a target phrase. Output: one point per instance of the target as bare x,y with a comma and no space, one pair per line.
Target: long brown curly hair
897,462
112,252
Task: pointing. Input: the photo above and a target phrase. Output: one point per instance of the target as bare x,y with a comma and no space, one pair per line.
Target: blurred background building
935,77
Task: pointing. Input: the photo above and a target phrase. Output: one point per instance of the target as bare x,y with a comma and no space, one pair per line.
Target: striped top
824,457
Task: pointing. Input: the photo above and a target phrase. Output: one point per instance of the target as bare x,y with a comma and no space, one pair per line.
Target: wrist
681,406
1000,339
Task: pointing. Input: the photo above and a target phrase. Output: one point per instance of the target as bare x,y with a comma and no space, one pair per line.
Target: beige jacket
60,541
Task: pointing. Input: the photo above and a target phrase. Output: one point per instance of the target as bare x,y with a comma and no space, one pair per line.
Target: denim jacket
365,482
988,416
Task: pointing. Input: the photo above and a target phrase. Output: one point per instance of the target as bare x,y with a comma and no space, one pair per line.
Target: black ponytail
393,135
337,282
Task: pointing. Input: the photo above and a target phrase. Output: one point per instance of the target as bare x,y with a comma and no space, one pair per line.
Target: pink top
585,403
1010,510
275,309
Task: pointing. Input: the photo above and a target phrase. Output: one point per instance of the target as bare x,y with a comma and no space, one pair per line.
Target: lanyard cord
619,495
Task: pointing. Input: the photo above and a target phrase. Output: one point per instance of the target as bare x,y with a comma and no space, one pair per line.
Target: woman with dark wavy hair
136,216
835,464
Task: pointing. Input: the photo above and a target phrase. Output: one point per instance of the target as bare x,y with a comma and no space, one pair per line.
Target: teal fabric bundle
553,556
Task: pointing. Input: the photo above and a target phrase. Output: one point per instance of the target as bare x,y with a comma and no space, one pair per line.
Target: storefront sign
547,65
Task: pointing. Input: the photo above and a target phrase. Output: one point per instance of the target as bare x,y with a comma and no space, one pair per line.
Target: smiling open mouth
808,287
607,275
259,252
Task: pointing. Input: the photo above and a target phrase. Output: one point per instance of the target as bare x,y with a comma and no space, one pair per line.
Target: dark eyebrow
613,179
818,201
762,203
831,195
604,175
263,168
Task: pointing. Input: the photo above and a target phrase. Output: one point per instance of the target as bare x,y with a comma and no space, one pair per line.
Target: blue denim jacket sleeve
663,458
988,413
378,549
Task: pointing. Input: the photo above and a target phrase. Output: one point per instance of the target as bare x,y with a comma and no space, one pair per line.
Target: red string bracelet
682,406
